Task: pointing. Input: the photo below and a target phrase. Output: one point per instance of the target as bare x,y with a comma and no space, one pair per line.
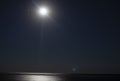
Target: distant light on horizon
74,69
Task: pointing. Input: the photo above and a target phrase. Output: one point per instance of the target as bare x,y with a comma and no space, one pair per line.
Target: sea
58,77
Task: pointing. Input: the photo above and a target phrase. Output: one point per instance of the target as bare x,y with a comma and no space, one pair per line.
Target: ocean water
57,77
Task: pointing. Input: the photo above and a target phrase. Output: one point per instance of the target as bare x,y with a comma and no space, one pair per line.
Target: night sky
81,34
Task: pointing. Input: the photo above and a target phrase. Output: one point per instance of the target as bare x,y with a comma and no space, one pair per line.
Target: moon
43,11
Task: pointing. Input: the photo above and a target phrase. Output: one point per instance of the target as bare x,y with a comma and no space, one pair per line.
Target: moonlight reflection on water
38,78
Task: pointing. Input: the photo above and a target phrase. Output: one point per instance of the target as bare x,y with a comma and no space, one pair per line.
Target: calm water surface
58,77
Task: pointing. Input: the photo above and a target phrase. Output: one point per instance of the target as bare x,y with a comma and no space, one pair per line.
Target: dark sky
84,34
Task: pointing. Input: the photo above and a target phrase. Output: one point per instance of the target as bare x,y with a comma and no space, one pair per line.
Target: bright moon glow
43,11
